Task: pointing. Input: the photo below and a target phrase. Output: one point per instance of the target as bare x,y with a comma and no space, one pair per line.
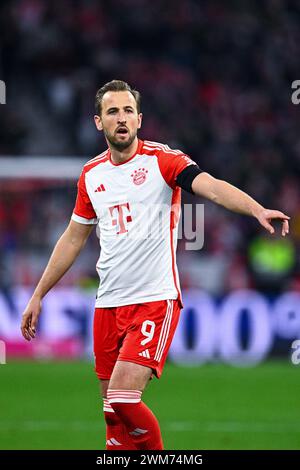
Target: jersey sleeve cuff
83,220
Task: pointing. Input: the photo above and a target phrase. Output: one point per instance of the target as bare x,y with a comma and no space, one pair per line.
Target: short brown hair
116,85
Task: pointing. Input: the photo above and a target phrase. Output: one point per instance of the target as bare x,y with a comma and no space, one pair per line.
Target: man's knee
129,376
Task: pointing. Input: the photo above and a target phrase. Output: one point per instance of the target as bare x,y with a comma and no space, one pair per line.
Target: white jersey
136,205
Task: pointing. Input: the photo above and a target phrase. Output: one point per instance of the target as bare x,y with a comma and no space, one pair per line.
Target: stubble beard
119,145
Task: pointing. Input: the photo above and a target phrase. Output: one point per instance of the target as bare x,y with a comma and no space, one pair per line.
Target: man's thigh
137,334
149,335
129,376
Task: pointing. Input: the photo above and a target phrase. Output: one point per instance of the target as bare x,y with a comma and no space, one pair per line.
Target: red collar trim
138,150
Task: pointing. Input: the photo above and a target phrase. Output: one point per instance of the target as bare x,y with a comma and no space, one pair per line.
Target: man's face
119,119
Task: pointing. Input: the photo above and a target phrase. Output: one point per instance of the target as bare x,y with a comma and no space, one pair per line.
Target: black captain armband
187,176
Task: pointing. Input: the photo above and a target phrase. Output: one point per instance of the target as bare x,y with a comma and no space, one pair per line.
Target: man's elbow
75,237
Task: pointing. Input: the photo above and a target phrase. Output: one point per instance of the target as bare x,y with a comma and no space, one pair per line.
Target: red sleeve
83,206
171,164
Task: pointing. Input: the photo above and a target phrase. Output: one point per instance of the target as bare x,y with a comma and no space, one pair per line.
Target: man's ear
140,118
98,122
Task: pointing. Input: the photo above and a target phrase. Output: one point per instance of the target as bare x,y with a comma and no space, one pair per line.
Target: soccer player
130,190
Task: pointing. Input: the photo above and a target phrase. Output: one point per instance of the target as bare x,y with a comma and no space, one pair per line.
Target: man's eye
129,110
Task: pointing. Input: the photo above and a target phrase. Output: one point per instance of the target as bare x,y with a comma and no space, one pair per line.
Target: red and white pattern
123,396
113,442
106,406
164,333
134,267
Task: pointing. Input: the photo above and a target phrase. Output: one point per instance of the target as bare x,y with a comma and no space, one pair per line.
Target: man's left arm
234,199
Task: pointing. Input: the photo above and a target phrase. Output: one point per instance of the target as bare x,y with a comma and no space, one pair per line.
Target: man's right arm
63,256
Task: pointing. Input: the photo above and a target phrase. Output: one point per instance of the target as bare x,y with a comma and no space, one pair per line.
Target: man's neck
121,157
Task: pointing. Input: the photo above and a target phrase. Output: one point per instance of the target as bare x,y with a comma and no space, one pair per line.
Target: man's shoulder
93,162
158,148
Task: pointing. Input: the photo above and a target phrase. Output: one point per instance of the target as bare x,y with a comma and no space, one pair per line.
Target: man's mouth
122,131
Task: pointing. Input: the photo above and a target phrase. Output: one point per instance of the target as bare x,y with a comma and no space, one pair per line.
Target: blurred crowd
215,79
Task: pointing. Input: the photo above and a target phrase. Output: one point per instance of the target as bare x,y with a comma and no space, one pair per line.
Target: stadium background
216,82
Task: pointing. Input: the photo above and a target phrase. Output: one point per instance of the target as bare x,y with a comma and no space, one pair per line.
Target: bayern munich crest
139,176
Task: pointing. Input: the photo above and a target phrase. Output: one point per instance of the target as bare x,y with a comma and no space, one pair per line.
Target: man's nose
122,117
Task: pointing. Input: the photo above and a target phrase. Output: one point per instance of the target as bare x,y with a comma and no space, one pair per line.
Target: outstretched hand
30,318
266,216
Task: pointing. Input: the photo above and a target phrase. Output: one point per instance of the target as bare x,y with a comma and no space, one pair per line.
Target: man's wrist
37,296
256,210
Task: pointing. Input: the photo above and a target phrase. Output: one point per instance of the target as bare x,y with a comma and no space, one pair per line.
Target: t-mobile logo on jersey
119,217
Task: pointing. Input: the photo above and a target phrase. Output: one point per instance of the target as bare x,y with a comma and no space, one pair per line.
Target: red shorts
140,333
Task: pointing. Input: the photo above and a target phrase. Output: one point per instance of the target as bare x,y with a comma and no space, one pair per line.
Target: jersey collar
138,150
